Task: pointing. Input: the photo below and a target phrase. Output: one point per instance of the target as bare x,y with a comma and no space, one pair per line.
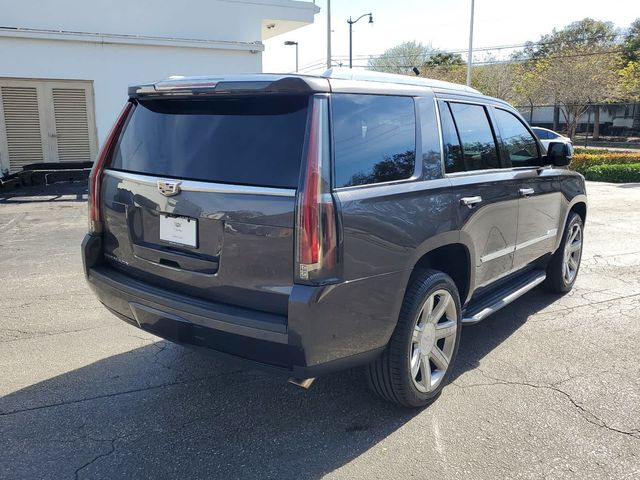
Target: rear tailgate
199,197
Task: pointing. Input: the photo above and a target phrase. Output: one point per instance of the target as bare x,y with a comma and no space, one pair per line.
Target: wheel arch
449,253
577,204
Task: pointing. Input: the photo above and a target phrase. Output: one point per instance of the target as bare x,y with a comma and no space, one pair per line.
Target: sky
442,23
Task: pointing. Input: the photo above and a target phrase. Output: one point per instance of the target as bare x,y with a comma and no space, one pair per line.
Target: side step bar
502,298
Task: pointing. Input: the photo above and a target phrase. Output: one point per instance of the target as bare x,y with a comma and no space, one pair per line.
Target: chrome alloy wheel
433,340
572,254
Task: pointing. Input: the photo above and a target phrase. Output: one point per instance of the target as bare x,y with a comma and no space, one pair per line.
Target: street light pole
470,57
350,43
351,22
328,34
289,42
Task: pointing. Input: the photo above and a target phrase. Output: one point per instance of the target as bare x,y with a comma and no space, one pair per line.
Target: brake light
103,161
316,246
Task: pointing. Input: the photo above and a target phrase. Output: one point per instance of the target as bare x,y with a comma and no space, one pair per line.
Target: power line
511,61
318,63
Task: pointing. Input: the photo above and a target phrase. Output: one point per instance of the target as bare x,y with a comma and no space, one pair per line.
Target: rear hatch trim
198,186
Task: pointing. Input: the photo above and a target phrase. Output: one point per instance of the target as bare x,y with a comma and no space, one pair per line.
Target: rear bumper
321,333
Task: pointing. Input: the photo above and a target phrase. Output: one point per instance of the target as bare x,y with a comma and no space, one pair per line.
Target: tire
563,267
391,375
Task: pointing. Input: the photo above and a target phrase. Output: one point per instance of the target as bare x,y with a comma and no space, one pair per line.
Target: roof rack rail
371,76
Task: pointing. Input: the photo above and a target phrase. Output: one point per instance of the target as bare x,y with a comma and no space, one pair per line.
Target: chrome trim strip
498,253
519,246
503,302
528,243
208,187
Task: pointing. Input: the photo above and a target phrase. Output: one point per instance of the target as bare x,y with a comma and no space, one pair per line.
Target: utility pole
328,34
470,58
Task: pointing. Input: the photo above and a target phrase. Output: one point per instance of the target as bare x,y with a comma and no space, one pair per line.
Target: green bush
617,173
583,161
591,151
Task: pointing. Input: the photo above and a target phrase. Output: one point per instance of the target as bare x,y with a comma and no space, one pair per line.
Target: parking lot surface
549,387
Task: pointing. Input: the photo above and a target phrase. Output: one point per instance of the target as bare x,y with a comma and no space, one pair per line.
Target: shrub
583,161
616,173
591,151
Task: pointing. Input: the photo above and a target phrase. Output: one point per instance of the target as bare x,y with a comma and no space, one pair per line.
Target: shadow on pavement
162,411
479,340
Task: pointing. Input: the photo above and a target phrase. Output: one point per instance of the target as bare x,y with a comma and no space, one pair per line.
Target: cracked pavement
549,387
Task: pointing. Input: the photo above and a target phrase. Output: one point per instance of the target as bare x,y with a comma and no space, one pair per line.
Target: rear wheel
418,360
563,267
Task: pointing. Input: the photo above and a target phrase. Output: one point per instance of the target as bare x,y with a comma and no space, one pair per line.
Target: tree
587,33
408,55
573,68
631,44
497,78
574,80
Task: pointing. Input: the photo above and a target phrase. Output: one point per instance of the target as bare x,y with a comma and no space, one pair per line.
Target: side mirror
560,153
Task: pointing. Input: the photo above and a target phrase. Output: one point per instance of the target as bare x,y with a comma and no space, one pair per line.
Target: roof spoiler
230,85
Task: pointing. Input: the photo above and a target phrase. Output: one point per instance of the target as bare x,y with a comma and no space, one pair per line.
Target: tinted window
252,141
453,161
519,147
541,134
478,145
374,138
431,157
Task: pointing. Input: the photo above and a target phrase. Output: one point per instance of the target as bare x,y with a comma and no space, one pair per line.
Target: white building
65,64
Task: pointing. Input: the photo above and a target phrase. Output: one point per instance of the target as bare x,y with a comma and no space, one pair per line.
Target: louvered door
71,124
45,121
22,126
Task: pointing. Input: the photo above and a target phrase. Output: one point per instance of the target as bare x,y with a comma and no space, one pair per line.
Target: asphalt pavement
549,387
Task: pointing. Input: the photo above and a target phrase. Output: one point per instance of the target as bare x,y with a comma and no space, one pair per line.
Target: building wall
113,67
232,20
117,43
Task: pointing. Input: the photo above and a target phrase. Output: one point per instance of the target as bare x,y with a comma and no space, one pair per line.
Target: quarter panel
384,225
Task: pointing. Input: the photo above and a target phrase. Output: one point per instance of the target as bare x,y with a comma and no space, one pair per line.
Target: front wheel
563,267
415,366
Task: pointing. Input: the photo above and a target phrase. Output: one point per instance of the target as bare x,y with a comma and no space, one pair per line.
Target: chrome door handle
470,201
525,192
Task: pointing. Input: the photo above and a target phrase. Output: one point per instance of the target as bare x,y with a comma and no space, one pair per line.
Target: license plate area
179,230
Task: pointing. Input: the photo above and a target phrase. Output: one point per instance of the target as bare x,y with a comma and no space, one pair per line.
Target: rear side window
476,137
250,141
374,138
519,147
453,161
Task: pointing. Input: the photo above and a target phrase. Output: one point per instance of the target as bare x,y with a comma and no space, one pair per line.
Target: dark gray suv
316,223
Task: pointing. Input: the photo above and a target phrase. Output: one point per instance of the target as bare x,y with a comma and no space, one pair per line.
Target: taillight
103,160
317,243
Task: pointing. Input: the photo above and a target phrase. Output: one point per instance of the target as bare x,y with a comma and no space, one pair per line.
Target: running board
502,298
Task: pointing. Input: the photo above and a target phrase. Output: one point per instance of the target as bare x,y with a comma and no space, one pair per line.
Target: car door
485,193
539,201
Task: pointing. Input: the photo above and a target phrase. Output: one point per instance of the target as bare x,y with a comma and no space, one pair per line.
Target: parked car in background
547,136
316,223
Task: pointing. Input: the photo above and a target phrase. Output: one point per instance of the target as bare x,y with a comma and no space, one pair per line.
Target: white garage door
45,121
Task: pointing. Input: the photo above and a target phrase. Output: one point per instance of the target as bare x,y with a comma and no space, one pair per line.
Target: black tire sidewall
423,286
573,219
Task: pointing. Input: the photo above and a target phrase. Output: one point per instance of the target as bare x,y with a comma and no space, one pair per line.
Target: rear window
249,141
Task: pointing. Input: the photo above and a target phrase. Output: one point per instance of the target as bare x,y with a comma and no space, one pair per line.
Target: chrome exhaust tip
302,382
